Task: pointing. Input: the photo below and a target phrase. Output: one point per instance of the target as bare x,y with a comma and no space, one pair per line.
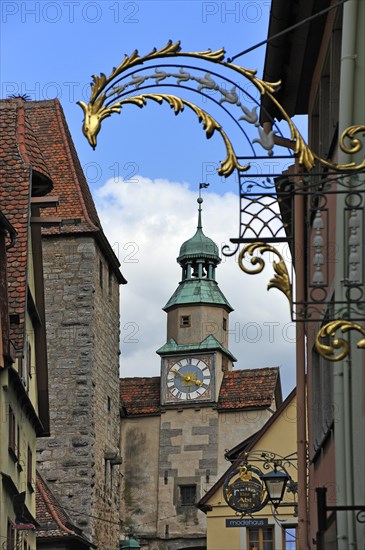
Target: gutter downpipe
342,381
299,262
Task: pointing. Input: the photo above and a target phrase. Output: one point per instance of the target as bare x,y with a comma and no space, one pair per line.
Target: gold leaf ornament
170,50
281,279
329,331
94,114
210,125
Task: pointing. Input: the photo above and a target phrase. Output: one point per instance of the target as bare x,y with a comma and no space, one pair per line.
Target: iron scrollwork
109,94
105,90
281,279
244,489
329,330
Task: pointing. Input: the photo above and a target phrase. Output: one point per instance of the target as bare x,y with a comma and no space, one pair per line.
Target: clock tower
175,428
196,355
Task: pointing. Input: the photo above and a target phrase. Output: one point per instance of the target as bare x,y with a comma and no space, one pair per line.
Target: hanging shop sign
244,491
247,522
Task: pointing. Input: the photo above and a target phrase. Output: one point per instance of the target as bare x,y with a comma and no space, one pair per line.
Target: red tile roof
28,143
241,389
19,156
35,141
54,522
70,185
76,206
140,396
37,154
251,388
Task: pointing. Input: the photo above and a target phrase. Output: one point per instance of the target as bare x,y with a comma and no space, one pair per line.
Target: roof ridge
41,487
62,122
254,369
20,135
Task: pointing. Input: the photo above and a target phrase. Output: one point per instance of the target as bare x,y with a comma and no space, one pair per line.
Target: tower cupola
199,256
198,311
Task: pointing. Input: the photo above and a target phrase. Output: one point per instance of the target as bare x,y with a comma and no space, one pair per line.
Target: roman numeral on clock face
188,378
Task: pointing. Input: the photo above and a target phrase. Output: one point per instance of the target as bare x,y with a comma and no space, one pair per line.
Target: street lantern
275,483
129,542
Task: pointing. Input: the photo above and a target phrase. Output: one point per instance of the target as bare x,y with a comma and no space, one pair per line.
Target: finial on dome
199,201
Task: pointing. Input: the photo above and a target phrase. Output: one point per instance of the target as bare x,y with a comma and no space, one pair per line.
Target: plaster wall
184,446
139,486
222,364
280,438
15,467
236,426
322,474
29,375
205,321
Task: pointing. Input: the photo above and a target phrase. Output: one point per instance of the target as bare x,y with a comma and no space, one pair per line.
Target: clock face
189,379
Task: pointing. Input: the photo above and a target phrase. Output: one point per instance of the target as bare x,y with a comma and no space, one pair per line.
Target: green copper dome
199,246
198,258
198,291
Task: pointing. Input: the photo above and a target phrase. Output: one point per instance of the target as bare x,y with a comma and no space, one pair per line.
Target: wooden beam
45,220
45,202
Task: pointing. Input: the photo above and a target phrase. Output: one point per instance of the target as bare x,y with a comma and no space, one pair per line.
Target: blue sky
145,171
51,48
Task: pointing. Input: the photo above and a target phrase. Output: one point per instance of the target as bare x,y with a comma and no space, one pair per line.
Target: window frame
284,538
10,535
30,470
184,497
261,541
183,319
12,431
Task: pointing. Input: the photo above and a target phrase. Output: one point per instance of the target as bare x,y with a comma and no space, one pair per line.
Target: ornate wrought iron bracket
106,90
329,330
266,200
281,279
245,489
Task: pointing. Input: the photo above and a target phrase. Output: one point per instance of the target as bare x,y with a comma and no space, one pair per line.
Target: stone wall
105,381
83,344
184,446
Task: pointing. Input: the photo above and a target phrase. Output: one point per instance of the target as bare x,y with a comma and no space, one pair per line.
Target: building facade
175,428
24,185
59,245
321,66
80,460
225,528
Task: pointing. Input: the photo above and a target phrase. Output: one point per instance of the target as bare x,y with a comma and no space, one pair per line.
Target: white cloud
146,222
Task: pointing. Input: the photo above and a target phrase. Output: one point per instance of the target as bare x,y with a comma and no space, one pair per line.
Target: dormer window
185,321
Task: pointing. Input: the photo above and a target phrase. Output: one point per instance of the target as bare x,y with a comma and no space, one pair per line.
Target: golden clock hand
179,373
188,378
